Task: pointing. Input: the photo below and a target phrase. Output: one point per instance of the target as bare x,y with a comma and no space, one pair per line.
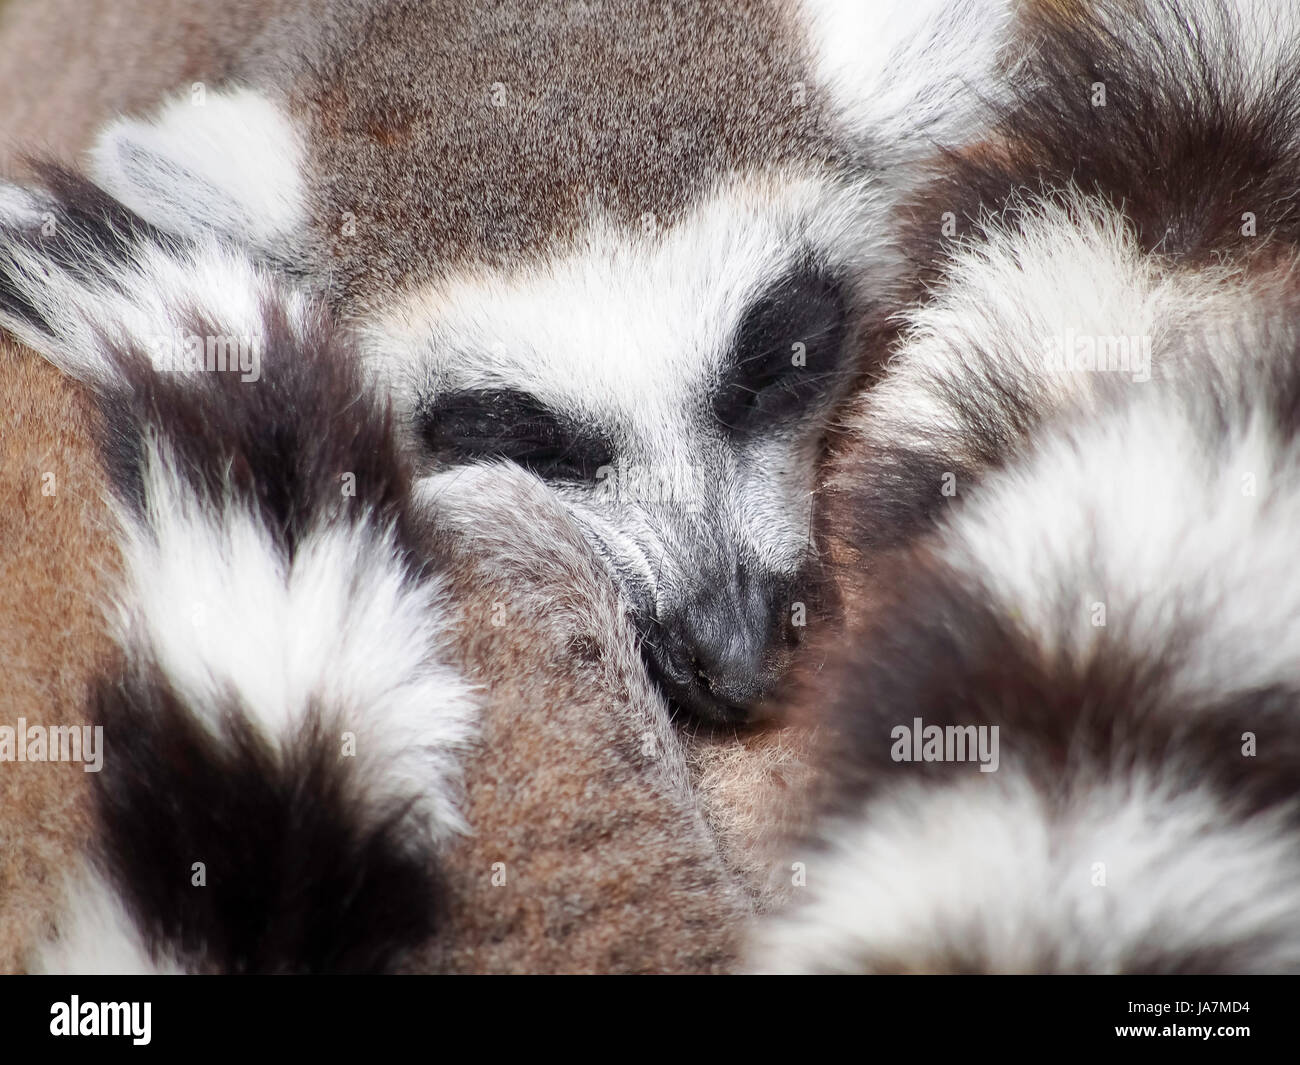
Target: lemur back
69,66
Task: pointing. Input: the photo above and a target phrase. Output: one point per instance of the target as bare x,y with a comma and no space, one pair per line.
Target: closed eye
481,424
787,354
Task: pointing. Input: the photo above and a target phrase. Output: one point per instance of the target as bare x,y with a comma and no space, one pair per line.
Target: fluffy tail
1067,729
1068,739
905,76
282,742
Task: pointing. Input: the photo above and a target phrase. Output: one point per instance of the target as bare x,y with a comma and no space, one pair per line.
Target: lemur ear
907,74
227,162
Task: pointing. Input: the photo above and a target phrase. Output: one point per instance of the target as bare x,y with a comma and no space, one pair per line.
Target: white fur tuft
904,73
212,600
95,935
228,162
147,303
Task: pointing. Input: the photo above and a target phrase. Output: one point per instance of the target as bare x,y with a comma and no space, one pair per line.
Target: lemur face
673,390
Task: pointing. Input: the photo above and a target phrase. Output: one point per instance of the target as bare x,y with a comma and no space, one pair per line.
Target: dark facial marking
472,425
786,356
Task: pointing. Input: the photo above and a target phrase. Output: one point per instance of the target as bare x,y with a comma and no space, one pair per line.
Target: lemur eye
786,355
467,426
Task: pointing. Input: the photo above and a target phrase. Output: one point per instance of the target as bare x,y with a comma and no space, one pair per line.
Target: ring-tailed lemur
1076,492
1130,775
1141,815
245,200
620,244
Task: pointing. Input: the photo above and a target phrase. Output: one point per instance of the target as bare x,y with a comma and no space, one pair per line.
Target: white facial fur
630,334
625,331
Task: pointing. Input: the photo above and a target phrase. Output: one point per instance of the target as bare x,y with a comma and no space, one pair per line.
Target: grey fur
609,108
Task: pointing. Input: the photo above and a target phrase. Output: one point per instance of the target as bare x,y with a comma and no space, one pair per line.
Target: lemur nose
721,653
727,646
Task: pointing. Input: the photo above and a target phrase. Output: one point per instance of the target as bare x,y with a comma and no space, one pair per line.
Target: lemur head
675,402
622,245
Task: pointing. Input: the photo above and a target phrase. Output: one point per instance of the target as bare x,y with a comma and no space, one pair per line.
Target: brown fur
752,789
608,866
576,787
591,122
55,553
68,66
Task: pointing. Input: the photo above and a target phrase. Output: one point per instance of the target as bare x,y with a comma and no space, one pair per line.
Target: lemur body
287,720
57,553
1142,813
70,66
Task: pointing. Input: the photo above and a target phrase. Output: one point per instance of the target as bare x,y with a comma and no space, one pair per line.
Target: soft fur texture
578,273
597,244
587,850
1131,825
56,550
904,75
579,784
69,66
284,716
1096,562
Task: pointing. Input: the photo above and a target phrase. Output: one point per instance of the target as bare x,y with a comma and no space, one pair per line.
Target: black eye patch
786,355
468,426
